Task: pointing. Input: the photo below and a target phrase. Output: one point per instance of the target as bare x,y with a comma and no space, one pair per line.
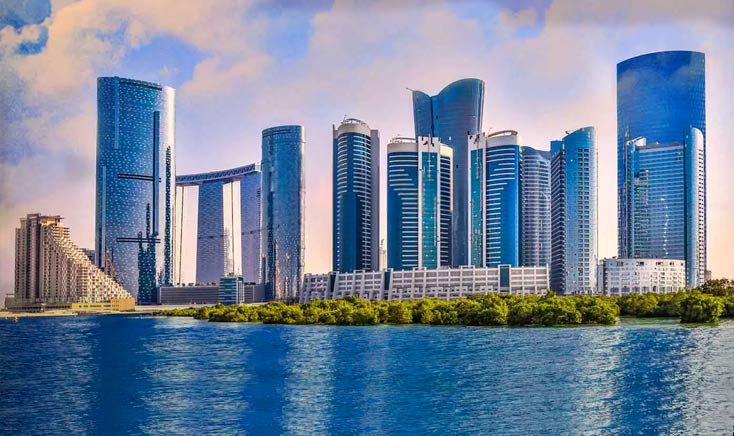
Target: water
126,375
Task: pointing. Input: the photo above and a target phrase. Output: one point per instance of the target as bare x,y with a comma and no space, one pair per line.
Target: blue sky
240,66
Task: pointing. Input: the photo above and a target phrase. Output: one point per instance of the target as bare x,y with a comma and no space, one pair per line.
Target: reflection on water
120,375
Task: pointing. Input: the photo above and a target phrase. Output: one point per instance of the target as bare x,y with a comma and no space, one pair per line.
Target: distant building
135,194
52,272
90,254
283,203
661,158
641,276
443,283
356,197
707,275
419,214
450,116
228,223
183,295
234,290
574,255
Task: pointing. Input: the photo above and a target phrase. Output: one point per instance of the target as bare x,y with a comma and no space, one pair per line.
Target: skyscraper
135,183
452,115
574,254
535,195
283,204
356,200
666,185
495,198
419,180
661,97
228,223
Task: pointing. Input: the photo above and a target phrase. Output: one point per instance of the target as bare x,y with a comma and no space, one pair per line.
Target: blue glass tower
661,97
283,207
574,255
356,200
419,179
452,115
135,191
535,229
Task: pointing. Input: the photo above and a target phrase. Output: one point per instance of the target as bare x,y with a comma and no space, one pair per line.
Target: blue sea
147,375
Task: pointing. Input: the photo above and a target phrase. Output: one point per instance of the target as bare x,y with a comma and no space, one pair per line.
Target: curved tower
356,198
283,202
135,192
535,207
574,254
660,96
451,116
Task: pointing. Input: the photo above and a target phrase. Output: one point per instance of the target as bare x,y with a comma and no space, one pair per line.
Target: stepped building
51,271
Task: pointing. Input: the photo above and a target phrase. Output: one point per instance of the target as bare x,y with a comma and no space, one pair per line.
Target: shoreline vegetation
708,304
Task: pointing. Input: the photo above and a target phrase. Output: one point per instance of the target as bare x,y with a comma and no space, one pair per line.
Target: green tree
697,307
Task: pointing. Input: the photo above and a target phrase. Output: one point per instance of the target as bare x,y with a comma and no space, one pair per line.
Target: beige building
641,276
51,271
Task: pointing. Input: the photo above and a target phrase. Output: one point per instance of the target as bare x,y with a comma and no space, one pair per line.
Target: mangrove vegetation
705,305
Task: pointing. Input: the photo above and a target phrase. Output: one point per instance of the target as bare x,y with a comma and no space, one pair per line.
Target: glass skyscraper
660,98
228,223
356,197
509,201
667,206
452,115
135,192
419,180
283,202
495,198
535,195
574,254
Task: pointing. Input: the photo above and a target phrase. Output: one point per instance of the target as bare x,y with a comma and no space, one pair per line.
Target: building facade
356,197
184,295
574,254
661,122
535,207
283,202
419,203
509,201
495,198
135,192
234,290
51,270
228,223
444,283
620,277
450,116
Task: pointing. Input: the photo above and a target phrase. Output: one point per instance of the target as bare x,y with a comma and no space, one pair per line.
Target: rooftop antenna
411,90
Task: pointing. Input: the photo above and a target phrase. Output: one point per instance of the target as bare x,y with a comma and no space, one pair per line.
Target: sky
241,66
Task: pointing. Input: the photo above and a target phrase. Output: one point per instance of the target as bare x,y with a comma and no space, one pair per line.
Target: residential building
574,255
135,192
450,116
535,196
228,223
283,202
661,125
356,197
620,277
51,271
445,283
419,202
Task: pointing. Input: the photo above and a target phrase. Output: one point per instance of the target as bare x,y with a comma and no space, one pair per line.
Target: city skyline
383,105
